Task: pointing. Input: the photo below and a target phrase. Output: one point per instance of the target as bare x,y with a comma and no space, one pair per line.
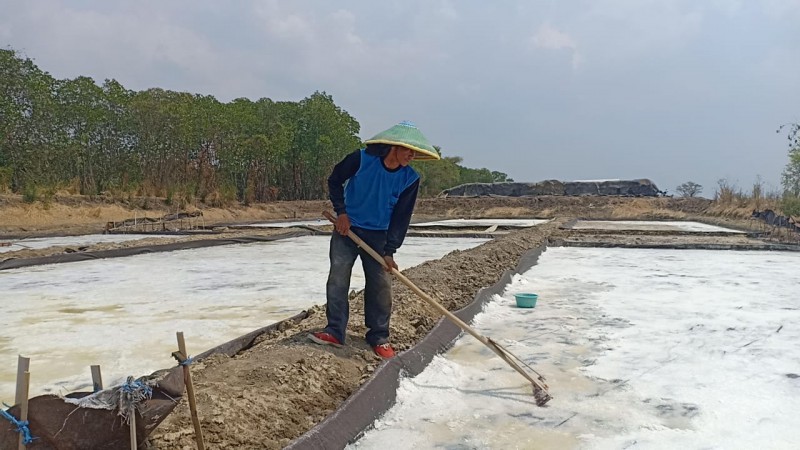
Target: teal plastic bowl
526,300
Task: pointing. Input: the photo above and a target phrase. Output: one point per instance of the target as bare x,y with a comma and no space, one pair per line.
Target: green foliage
790,205
791,174
111,141
29,193
437,176
500,177
689,189
5,179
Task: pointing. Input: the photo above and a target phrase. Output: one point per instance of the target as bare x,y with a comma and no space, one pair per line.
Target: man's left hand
390,264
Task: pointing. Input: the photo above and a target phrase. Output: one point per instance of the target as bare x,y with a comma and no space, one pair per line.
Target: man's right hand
342,224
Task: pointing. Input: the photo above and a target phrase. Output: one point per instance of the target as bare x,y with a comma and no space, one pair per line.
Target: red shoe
385,351
323,338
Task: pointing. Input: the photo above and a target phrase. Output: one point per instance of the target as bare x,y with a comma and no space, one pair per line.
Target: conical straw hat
406,134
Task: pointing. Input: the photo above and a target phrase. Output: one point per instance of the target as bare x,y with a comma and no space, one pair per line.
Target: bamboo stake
23,415
539,387
187,378
97,379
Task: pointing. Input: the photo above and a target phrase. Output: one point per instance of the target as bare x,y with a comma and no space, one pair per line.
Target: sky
669,90
642,348
66,317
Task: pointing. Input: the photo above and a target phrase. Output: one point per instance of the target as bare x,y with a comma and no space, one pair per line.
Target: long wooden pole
187,378
539,387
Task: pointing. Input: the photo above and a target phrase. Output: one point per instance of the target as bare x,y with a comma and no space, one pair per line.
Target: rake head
541,395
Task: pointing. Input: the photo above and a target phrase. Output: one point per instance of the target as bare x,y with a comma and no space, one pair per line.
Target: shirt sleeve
401,217
341,173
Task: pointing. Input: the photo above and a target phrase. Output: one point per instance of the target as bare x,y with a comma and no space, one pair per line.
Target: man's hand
390,264
342,224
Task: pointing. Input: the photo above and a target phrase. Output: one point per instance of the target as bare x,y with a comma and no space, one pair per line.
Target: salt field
643,225
449,223
70,241
122,313
655,349
313,222
465,223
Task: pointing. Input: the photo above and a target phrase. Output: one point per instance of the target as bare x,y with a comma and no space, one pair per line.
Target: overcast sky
670,90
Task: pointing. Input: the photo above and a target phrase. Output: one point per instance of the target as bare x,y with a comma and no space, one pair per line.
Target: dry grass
505,212
645,208
39,216
743,207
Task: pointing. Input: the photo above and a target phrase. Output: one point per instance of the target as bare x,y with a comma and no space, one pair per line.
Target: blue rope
186,361
133,386
22,426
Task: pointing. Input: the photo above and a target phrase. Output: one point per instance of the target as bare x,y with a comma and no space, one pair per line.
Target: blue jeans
377,294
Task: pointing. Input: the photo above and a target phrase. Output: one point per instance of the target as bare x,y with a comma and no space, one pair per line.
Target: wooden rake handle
539,387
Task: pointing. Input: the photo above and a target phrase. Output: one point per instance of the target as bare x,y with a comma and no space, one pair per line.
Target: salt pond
465,223
71,241
122,313
643,225
313,222
641,349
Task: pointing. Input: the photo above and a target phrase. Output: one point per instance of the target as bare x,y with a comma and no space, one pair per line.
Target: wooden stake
187,379
23,415
97,379
23,365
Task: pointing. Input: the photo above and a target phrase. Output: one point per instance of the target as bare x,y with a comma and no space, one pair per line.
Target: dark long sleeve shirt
374,197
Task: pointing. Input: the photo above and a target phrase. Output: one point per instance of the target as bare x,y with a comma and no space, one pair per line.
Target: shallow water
641,349
71,241
123,313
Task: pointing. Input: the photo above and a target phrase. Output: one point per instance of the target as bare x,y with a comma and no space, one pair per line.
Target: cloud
550,38
778,9
473,75
139,47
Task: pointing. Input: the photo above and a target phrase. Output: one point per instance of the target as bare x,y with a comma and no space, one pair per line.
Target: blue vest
370,194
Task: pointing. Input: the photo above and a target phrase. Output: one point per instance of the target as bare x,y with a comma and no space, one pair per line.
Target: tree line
77,136
788,200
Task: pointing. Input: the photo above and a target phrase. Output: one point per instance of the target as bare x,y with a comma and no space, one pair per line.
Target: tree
436,176
77,134
790,203
689,189
500,177
27,121
791,174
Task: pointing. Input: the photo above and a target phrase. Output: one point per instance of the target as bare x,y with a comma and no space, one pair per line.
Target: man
373,191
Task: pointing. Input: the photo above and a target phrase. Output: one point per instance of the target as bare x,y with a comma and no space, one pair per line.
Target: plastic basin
526,300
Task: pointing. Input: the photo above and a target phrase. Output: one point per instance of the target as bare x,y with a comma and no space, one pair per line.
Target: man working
373,192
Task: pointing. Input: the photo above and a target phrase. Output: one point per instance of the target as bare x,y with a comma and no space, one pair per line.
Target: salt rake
539,386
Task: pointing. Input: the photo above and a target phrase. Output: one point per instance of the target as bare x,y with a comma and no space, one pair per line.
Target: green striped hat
406,134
